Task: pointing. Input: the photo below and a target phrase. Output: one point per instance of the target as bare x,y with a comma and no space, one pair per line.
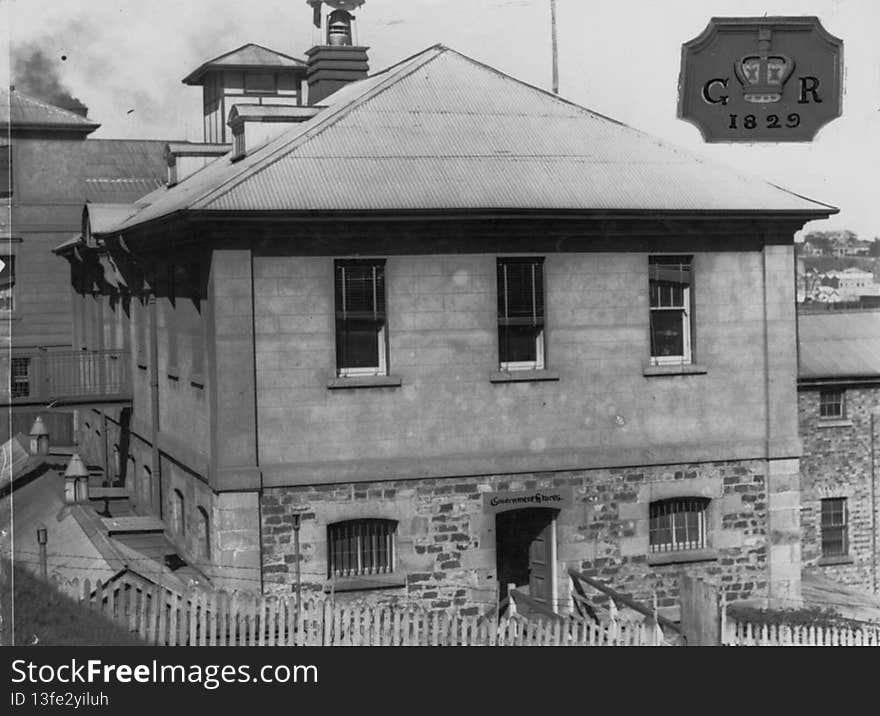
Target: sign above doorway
557,497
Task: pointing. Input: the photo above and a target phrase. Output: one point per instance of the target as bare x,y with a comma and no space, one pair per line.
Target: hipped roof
443,132
24,112
249,57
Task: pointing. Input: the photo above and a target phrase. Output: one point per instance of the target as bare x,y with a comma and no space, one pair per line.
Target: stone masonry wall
446,544
837,463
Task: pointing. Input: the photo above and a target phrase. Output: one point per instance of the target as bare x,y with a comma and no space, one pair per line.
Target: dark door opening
523,549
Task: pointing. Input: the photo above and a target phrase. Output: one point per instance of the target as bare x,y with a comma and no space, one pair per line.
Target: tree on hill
820,240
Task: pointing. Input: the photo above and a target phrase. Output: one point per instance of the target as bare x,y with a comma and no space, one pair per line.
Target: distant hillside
46,617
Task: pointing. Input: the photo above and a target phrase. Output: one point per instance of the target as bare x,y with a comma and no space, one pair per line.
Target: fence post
700,614
173,622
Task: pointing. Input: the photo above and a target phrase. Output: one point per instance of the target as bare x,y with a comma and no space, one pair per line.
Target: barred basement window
19,379
669,283
360,318
834,524
360,547
832,403
521,313
678,524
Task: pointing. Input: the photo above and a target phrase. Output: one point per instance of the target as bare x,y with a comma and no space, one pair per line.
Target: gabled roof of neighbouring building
839,344
24,112
250,57
443,132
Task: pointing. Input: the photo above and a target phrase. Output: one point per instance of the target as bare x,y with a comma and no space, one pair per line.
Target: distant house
808,248
839,420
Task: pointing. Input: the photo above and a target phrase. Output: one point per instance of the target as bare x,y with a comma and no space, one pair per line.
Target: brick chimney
338,61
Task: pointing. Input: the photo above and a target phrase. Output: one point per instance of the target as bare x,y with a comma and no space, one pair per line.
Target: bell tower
336,60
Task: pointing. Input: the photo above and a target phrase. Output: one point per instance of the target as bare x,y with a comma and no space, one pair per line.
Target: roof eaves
124,226
82,127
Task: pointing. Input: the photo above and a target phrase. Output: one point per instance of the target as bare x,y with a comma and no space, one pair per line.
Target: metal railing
68,377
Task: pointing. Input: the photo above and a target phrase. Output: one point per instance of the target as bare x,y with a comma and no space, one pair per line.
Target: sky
125,60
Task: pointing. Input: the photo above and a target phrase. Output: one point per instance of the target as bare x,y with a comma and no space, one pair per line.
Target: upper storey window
361,336
521,313
671,299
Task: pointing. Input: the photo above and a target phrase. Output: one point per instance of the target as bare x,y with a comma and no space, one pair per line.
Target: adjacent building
447,332
839,408
50,168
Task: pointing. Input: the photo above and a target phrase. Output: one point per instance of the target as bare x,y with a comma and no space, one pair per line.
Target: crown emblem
763,74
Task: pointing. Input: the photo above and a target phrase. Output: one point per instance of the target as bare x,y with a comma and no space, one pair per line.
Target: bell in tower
336,60
335,18
339,28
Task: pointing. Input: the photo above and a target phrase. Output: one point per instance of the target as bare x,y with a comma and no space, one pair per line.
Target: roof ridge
325,121
650,137
202,68
250,44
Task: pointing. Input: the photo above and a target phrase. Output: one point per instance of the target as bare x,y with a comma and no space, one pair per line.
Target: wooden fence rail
165,618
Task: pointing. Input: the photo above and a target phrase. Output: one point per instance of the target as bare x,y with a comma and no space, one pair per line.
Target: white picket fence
734,633
165,618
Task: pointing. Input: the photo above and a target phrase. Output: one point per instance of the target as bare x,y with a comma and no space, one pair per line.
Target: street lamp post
42,539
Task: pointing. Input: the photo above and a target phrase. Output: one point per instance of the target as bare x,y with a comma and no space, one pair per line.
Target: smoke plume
35,73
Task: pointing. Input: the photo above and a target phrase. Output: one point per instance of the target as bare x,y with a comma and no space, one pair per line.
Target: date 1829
773,121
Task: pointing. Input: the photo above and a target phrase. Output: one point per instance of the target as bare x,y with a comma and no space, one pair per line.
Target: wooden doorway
525,552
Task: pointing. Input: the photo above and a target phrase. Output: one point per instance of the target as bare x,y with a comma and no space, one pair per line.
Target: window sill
834,423
523,376
366,583
842,559
197,380
6,316
142,364
365,381
682,557
681,369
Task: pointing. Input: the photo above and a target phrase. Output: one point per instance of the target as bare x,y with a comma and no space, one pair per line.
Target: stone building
839,409
449,332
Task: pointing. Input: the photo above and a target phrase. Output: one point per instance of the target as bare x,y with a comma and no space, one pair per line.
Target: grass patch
44,614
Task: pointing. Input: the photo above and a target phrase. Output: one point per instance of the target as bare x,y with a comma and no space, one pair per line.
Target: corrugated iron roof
441,131
103,217
839,344
118,171
25,112
250,56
